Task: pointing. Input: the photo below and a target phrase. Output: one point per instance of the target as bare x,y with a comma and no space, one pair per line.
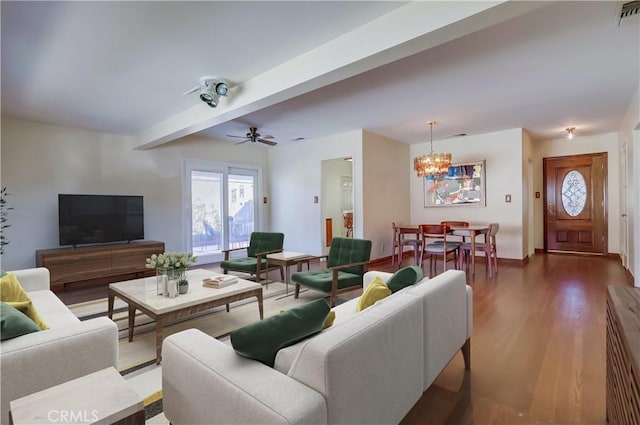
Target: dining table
472,231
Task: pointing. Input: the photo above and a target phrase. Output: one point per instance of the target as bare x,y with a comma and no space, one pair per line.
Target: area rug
137,358
216,322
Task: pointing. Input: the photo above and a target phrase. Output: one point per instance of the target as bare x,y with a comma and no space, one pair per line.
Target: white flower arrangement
171,260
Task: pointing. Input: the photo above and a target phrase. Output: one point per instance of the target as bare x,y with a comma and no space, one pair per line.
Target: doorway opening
337,199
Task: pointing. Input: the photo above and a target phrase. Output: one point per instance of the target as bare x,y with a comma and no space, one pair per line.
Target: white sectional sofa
67,350
368,368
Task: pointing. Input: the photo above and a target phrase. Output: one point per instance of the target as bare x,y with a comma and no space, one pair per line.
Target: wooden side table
103,397
287,259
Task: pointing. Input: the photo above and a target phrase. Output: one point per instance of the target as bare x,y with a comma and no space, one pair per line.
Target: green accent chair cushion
262,340
322,279
260,242
244,264
14,323
404,277
343,252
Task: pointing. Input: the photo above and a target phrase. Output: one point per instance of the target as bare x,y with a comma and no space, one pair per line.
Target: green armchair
260,244
347,262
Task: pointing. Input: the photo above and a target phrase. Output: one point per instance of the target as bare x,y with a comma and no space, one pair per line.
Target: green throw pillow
262,340
14,323
404,277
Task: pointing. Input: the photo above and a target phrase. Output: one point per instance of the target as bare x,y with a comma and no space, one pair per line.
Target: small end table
287,259
103,397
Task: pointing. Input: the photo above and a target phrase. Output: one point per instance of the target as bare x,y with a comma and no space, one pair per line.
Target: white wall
528,196
386,190
630,133
39,161
503,154
296,177
581,145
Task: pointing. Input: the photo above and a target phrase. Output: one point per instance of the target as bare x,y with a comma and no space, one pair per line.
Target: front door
575,217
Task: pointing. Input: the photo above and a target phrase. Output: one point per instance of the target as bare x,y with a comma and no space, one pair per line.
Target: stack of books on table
219,281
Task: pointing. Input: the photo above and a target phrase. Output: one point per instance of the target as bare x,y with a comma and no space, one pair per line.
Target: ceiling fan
253,136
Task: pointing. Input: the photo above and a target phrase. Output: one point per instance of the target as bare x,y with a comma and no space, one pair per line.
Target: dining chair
399,242
488,247
439,246
452,223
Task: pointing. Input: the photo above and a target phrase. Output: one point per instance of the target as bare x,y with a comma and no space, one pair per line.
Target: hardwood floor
537,349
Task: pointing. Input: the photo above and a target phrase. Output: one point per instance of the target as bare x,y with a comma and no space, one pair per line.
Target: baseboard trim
479,258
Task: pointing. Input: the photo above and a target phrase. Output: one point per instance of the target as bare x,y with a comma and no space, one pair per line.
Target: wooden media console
97,263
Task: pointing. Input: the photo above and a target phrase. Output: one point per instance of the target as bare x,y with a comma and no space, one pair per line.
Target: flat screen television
94,219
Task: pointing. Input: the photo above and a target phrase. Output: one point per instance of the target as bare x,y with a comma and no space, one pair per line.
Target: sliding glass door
221,207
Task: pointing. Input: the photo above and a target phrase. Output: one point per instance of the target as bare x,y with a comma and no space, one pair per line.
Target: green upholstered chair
260,244
347,262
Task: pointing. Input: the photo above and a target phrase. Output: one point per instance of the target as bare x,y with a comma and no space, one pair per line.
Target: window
574,193
218,218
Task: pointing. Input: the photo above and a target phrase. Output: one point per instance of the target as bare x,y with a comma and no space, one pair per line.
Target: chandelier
434,164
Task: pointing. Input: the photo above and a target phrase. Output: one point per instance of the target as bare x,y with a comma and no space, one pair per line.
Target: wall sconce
570,131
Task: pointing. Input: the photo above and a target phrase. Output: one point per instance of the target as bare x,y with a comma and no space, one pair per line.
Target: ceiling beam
408,30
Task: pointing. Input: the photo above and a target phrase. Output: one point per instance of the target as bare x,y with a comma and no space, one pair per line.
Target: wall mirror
464,184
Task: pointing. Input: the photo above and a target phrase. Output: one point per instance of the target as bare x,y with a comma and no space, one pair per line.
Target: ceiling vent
629,10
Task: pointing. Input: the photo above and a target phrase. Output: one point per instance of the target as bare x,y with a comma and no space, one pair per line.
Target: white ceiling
121,67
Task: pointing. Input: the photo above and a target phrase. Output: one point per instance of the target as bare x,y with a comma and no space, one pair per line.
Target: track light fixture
222,89
213,102
206,94
210,88
570,131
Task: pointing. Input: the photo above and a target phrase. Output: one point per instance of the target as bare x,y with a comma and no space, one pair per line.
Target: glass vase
162,278
171,281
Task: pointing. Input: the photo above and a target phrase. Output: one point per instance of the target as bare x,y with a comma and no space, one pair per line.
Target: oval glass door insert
574,193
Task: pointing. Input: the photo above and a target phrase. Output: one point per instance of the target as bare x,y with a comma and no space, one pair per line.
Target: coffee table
140,294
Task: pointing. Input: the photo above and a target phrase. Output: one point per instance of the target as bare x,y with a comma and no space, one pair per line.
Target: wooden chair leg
282,273
333,300
297,291
488,261
227,308
495,260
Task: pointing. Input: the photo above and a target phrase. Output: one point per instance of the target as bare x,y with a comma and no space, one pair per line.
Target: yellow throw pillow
376,291
328,322
13,294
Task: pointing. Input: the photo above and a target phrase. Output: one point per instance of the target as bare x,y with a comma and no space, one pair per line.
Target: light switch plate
507,198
